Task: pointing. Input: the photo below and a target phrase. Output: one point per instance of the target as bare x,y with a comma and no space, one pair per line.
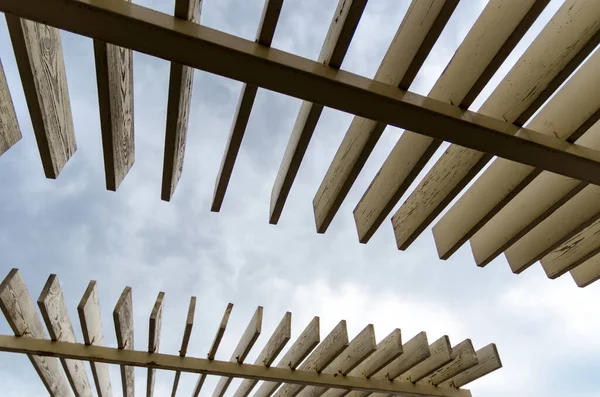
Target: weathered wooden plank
463,357
555,53
489,361
38,52
415,37
10,133
19,310
187,333
441,354
181,81
54,312
587,272
341,29
306,342
123,318
415,351
264,36
154,328
91,327
276,343
242,349
489,42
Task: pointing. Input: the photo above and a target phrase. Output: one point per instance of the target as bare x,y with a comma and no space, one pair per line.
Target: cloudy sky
546,331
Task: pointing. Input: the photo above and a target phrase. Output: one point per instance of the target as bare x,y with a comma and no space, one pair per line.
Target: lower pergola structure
311,367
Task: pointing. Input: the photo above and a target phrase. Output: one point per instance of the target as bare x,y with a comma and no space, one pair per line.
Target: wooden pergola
311,367
539,199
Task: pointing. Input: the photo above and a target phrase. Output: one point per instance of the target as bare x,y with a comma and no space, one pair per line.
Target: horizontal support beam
108,355
158,34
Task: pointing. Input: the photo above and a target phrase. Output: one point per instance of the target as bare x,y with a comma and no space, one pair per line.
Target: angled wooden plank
187,333
38,52
181,81
264,36
489,361
242,349
276,343
154,328
489,42
463,357
19,310
417,34
123,318
54,312
341,30
91,328
10,133
556,52
306,342
415,351
587,272
441,354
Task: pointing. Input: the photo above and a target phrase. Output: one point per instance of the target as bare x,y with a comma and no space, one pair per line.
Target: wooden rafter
154,329
10,133
123,318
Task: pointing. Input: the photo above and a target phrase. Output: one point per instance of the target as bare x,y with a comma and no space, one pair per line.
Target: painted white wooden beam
187,333
10,133
154,329
123,318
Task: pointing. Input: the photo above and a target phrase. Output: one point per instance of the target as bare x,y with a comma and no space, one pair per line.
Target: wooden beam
221,368
154,328
341,30
187,333
181,81
276,343
556,52
489,42
306,342
418,32
441,354
54,312
463,357
161,35
10,133
243,348
489,361
19,311
38,52
415,351
123,318
587,272
264,36
91,328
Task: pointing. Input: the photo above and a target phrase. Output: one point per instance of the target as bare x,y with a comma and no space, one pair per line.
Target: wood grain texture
187,333
489,361
54,312
463,357
264,36
341,30
123,318
10,133
415,37
90,319
556,52
19,310
587,272
490,40
181,82
441,354
38,52
415,351
154,328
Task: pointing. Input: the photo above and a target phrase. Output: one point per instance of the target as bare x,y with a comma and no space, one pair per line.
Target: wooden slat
123,318
38,52
415,351
276,343
181,81
490,40
587,272
489,361
463,357
320,358
441,354
189,323
214,346
154,328
264,36
306,342
243,348
10,133
341,29
91,328
54,312
415,37
19,311
558,50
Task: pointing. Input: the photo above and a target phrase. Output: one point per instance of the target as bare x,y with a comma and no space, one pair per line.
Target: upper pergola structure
538,200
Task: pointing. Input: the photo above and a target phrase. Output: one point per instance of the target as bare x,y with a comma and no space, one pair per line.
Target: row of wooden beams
123,318
558,50
161,35
10,133
264,37
187,333
441,354
488,43
341,30
418,32
463,357
154,329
